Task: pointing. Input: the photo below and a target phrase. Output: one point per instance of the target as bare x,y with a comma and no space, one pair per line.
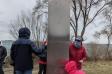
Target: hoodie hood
24,33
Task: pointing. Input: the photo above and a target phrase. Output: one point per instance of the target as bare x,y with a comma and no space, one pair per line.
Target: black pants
42,69
1,70
14,71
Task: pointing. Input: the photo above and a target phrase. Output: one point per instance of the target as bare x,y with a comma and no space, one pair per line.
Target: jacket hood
24,33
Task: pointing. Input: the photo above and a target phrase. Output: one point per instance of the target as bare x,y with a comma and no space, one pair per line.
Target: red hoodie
77,54
70,68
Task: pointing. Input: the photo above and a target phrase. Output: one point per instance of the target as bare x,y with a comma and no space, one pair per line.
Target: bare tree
97,35
107,30
25,20
41,12
85,12
36,21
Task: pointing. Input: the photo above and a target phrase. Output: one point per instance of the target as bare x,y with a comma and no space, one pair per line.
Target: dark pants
42,69
1,69
24,72
14,71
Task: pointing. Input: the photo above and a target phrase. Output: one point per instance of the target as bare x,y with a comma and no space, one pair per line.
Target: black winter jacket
3,54
21,51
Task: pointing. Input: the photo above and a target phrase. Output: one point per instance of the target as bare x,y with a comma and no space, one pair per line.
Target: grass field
99,67
10,70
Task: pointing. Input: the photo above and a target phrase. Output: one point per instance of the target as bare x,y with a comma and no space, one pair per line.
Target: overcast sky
9,9
97,25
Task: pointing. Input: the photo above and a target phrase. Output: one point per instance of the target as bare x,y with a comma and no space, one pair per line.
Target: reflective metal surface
58,35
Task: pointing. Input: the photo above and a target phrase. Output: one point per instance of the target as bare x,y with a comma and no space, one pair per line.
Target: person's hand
46,43
33,55
81,61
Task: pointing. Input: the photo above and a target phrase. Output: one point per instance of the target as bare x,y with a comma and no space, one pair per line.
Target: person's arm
37,50
12,54
84,56
44,53
71,52
4,54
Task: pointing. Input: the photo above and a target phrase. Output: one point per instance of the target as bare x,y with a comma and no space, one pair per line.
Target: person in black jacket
3,54
21,52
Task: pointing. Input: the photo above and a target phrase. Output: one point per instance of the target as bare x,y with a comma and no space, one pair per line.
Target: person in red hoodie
77,52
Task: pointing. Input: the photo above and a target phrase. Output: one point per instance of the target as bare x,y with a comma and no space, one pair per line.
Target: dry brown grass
100,67
10,70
